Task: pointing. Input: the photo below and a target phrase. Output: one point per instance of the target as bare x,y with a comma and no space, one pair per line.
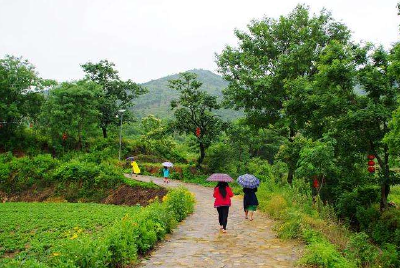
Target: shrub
290,228
275,206
367,217
22,173
86,179
390,256
260,168
387,228
323,254
360,250
222,159
180,202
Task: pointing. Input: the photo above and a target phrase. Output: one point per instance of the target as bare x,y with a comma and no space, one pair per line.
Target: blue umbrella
248,181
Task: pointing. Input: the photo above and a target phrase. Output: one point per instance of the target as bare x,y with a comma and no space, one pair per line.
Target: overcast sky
148,39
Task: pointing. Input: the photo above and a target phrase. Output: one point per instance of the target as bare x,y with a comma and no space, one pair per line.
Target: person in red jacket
222,195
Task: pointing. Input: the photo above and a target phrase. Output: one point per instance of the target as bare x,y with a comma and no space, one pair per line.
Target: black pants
223,216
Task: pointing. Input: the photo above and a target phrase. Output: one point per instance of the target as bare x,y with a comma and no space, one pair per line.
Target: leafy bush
222,159
274,206
324,254
180,202
390,256
361,250
22,173
260,168
357,202
387,228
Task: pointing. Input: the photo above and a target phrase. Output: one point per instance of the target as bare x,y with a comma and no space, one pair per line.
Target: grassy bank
329,243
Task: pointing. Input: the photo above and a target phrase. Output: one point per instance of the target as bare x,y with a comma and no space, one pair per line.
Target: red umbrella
220,177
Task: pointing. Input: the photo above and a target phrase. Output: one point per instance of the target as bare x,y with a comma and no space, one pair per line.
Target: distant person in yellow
135,168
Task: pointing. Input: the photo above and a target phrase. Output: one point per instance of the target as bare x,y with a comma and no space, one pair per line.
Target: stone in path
198,242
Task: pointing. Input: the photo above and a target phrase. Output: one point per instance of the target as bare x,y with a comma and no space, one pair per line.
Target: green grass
394,195
31,228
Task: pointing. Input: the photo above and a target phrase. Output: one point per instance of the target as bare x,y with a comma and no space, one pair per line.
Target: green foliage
180,202
270,55
324,254
86,179
71,108
387,228
390,256
221,158
354,206
83,177
329,244
392,138
116,93
108,236
260,168
20,95
317,158
360,249
19,174
194,109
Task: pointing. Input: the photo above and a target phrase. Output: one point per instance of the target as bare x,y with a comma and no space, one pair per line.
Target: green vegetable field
32,228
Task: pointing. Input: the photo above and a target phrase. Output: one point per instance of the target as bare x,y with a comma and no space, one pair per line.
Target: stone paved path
198,242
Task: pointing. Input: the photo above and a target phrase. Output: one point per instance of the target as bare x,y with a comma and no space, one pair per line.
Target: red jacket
219,200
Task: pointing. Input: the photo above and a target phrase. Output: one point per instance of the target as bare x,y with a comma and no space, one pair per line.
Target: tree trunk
290,174
79,139
104,132
291,164
202,154
385,188
385,169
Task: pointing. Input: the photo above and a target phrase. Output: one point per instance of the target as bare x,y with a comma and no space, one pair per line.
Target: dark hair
222,188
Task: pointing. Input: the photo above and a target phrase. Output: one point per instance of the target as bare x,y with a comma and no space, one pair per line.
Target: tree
117,94
20,94
375,111
194,112
271,56
318,158
72,109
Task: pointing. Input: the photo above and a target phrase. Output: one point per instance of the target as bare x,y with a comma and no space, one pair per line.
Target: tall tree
117,94
194,112
269,58
20,95
375,111
72,110
358,122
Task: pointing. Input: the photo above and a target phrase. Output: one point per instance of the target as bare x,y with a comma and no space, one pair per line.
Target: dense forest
301,105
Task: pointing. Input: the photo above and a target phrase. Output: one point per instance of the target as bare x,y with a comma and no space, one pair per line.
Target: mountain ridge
157,100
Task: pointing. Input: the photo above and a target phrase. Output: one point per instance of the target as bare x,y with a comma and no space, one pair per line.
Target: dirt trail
197,242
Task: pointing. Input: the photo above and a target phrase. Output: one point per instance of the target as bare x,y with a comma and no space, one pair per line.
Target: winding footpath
198,242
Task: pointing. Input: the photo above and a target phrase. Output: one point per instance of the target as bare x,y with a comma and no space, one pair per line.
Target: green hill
157,100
